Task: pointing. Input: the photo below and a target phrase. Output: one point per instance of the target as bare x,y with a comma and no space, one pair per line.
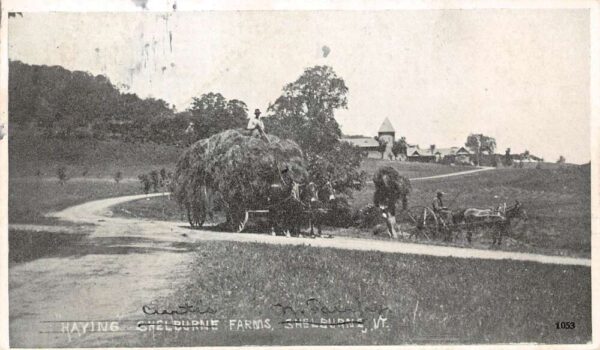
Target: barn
370,145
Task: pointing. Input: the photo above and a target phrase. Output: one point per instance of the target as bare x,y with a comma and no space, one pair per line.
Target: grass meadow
410,169
430,300
29,199
34,189
29,155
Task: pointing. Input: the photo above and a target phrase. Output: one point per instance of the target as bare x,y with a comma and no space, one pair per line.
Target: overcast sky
521,76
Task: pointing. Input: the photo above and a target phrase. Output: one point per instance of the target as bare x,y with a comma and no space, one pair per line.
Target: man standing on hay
256,126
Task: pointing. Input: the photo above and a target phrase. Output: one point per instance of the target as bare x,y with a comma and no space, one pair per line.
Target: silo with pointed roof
388,134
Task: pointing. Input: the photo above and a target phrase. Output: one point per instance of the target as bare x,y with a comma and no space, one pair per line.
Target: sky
521,76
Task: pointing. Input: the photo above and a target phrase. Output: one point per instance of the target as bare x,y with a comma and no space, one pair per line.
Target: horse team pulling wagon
248,178
292,204
430,225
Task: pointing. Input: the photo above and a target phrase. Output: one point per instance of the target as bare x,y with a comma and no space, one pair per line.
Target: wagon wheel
424,220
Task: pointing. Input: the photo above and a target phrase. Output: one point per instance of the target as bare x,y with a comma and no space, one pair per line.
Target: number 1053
565,325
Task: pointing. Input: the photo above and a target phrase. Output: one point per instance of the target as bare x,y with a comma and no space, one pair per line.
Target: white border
351,5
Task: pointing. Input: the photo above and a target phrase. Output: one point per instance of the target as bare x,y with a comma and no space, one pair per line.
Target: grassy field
557,202
34,160
28,155
411,170
157,208
30,199
557,199
459,301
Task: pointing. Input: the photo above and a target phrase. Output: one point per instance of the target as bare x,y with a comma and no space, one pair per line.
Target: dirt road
96,211
126,263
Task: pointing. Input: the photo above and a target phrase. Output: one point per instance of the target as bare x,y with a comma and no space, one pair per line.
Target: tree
163,174
561,160
213,113
61,100
507,158
382,146
479,143
145,182
339,166
154,180
400,147
118,177
61,173
494,161
305,111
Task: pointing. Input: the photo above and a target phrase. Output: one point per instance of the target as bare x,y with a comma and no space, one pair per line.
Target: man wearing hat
256,126
439,209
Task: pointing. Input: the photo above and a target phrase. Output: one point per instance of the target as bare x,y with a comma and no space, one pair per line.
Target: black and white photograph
189,174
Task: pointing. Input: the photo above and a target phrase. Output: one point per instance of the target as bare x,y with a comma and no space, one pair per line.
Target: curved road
126,263
98,212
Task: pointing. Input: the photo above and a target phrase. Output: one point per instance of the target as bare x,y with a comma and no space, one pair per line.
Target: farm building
370,145
367,144
452,155
423,155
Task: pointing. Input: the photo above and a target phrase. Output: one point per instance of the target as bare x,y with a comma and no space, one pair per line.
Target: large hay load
390,187
234,173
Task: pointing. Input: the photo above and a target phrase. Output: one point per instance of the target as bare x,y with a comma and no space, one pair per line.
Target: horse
476,216
514,212
316,200
292,204
284,202
499,218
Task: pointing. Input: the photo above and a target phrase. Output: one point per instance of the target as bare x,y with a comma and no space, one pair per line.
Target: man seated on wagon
440,210
256,127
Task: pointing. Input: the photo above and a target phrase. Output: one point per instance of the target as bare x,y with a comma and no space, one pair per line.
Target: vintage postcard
192,174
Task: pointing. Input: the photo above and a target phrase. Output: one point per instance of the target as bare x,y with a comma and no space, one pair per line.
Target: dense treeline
63,103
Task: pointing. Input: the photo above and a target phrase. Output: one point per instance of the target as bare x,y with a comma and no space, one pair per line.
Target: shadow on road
25,246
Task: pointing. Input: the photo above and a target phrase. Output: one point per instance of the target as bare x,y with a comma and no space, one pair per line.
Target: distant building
417,154
526,158
367,144
452,155
370,145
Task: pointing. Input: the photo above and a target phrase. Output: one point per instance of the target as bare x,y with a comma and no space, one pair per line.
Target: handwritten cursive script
180,310
315,306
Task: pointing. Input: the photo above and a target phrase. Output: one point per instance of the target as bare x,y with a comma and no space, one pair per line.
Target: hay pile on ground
233,172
